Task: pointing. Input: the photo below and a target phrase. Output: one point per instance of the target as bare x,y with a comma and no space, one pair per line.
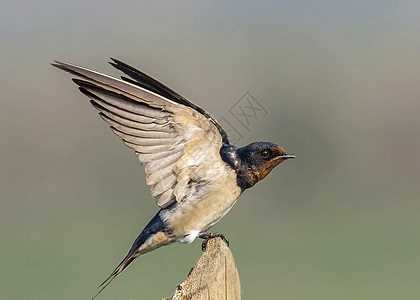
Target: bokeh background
341,83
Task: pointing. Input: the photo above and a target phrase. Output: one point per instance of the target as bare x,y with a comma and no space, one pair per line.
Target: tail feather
152,237
118,270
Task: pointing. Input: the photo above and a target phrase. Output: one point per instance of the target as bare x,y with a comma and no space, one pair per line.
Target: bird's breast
193,215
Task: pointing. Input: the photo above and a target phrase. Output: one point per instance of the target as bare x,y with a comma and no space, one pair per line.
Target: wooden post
213,277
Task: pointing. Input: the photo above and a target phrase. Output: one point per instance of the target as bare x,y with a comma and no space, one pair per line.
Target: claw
204,245
209,236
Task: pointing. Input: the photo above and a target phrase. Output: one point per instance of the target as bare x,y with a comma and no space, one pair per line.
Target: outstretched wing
145,81
175,142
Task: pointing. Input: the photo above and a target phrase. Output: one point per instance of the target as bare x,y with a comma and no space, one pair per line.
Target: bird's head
258,159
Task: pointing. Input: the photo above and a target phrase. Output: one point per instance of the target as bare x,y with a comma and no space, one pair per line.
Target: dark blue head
258,159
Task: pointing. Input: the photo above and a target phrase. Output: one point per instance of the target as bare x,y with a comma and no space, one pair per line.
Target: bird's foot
209,236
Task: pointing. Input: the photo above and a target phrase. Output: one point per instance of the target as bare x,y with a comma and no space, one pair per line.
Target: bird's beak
286,156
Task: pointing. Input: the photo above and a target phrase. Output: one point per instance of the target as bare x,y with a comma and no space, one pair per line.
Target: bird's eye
264,153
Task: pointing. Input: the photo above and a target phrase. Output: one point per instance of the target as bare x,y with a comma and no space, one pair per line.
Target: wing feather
123,102
146,141
163,185
139,132
150,149
145,81
146,157
156,165
172,137
112,84
155,177
152,126
105,107
165,198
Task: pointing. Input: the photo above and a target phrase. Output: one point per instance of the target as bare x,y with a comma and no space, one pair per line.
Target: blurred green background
341,83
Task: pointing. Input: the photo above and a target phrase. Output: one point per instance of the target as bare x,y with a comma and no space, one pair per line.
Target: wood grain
214,277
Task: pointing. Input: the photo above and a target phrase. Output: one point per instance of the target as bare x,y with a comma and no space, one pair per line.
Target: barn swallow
195,174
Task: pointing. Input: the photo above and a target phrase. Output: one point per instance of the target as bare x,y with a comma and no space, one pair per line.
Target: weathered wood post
213,277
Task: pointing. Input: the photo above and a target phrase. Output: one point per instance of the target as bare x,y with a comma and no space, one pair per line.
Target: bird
194,173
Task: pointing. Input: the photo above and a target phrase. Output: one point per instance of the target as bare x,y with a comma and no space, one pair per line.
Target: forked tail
151,238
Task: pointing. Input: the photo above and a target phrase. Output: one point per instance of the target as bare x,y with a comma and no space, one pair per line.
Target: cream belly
186,220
